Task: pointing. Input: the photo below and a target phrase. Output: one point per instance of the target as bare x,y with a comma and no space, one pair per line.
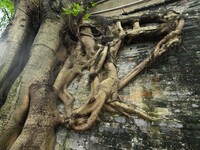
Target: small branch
129,110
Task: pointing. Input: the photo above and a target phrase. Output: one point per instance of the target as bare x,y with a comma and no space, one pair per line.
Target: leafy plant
7,6
93,4
86,16
75,9
6,13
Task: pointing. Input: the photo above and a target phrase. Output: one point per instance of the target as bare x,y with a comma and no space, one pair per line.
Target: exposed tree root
96,50
170,40
104,88
95,104
126,109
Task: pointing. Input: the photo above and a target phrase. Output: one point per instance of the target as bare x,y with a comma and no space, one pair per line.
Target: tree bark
15,44
28,79
39,67
38,132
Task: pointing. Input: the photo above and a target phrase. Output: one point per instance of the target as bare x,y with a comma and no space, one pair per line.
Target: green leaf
7,10
93,4
87,17
75,12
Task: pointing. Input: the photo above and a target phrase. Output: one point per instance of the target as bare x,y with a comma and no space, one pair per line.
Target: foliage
93,4
8,6
75,9
87,16
6,13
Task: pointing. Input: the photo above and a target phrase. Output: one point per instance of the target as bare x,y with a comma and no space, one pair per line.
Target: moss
155,131
67,144
148,103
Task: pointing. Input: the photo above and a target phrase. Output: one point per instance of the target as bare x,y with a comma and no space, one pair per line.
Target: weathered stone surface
169,89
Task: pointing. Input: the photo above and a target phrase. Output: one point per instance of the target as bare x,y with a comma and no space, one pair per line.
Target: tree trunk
15,45
45,48
39,67
38,132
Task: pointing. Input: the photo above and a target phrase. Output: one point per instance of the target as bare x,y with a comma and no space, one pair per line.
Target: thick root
95,104
105,85
170,40
67,100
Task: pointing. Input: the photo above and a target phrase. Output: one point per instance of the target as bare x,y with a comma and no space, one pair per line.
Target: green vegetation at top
7,6
77,8
73,9
6,13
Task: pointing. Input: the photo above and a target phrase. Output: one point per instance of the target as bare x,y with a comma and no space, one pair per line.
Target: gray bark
39,67
14,44
169,90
